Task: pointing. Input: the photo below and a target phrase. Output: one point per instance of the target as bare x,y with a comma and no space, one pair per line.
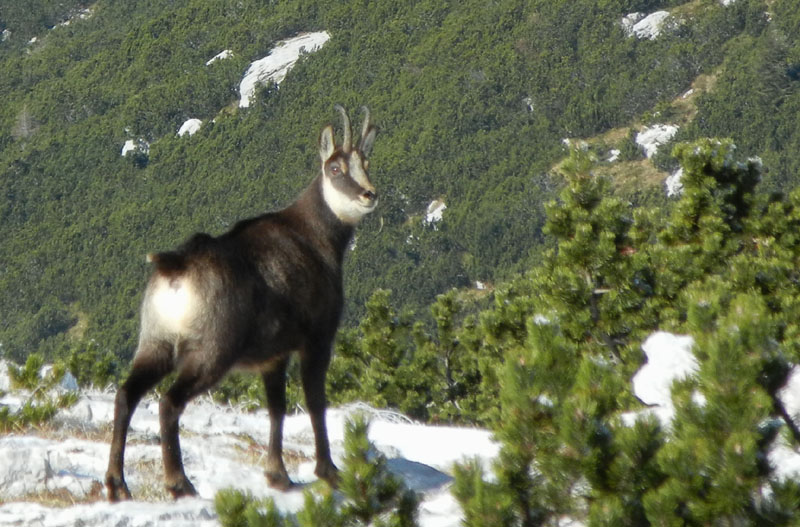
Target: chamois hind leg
151,363
275,388
313,367
193,379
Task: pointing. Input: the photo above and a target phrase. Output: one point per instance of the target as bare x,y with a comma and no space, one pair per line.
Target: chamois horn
366,125
347,145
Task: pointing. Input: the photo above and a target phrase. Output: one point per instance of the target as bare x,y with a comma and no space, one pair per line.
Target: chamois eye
335,170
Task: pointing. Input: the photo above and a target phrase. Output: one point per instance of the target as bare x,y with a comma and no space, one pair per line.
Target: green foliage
43,400
28,377
241,389
440,373
91,365
369,488
719,266
78,217
628,149
370,495
724,435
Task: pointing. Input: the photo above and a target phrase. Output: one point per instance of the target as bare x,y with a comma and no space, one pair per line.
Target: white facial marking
358,174
348,209
175,304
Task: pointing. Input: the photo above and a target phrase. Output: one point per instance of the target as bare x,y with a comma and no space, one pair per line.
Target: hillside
473,100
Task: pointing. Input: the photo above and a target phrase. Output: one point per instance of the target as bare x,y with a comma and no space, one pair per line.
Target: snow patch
669,358
277,64
187,512
630,20
434,212
83,14
673,183
5,35
652,137
790,394
5,378
222,55
190,127
528,103
132,146
726,3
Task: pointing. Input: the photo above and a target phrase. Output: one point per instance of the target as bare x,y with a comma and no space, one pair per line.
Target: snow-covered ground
226,447
223,447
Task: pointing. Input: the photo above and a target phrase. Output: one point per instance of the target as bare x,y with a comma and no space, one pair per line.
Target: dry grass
641,174
685,107
59,498
255,453
631,176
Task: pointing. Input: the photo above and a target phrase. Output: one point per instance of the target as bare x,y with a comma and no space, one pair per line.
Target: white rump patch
175,303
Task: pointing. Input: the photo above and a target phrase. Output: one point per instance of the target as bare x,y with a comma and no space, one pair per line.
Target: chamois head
345,180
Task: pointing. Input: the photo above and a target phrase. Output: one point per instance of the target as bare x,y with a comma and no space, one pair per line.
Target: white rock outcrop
190,127
645,27
133,146
434,212
652,137
277,64
222,55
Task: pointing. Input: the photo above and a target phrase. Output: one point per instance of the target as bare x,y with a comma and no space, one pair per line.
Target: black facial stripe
346,185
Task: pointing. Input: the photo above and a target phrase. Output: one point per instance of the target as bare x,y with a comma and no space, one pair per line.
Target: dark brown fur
270,286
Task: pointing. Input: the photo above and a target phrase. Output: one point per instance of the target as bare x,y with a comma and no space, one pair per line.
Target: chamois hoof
181,489
278,481
329,473
117,489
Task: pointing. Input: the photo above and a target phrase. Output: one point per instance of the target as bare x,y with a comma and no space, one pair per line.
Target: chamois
249,298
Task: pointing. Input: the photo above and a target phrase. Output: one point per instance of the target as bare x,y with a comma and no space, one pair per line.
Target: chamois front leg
275,388
313,367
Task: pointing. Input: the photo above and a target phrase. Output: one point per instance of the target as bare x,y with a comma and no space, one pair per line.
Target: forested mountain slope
473,100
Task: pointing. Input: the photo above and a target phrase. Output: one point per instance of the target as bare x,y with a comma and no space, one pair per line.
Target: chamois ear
327,143
368,140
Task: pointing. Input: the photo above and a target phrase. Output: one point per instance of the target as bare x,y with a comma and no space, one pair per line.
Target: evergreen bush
369,495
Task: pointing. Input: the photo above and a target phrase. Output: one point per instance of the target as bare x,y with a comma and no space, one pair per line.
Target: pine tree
721,268
564,377
369,495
